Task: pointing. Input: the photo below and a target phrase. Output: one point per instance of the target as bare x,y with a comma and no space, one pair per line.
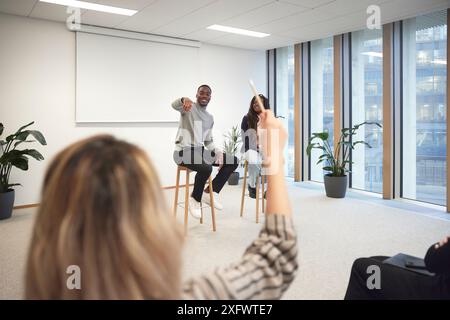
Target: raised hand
272,138
187,104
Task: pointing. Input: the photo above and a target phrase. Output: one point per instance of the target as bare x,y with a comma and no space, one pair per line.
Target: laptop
410,263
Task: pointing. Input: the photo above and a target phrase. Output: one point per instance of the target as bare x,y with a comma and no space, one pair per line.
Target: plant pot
335,187
233,180
6,204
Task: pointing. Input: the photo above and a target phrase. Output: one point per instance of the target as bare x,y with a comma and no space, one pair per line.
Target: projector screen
128,80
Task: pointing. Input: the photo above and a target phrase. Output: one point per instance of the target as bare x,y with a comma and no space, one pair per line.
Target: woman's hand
272,138
442,243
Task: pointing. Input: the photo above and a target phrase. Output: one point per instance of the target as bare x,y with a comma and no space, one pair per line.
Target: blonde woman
101,211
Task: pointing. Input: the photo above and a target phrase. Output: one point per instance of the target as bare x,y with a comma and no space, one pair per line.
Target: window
285,100
424,108
322,97
367,99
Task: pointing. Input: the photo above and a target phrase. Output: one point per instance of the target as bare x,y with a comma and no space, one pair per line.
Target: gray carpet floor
332,233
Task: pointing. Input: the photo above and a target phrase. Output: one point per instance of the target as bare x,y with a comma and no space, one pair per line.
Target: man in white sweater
194,134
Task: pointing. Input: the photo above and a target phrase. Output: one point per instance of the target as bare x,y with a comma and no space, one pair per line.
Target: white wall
37,83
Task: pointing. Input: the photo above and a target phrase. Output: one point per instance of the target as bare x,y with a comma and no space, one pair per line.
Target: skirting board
37,204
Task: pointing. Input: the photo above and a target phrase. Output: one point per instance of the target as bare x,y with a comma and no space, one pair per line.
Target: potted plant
10,157
336,160
231,147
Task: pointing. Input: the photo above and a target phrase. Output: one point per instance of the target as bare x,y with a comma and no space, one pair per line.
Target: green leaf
309,148
20,142
321,135
12,155
36,134
337,167
361,142
21,163
23,127
10,137
313,146
9,156
33,153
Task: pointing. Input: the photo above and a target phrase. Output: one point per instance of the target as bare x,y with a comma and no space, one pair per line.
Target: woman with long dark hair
250,148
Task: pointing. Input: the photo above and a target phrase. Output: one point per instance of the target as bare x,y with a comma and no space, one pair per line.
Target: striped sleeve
265,271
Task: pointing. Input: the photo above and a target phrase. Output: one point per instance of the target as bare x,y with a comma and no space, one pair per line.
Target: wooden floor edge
27,206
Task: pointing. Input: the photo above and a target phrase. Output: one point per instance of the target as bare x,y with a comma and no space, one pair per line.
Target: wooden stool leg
257,199
262,192
186,202
244,184
177,187
211,199
201,217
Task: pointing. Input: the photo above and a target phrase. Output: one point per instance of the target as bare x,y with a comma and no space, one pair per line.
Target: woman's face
256,106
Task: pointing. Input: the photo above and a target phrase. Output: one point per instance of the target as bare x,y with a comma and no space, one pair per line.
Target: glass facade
285,100
422,122
322,97
424,108
367,105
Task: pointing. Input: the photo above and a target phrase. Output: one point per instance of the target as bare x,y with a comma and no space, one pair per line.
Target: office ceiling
288,21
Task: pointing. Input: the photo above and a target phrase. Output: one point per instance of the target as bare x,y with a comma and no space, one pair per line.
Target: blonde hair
103,210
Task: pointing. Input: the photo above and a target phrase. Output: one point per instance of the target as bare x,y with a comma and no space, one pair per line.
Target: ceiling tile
295,21
109,20
288,21
254,43
162,12
20,8
127,4
309,3
343,7
205,35
342,24
270,12
102,19
401,9
215,13
51,11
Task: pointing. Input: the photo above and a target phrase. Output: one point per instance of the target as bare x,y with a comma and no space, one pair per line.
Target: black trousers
201,161
396,283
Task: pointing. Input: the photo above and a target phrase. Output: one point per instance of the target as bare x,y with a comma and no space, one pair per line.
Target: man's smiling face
203,96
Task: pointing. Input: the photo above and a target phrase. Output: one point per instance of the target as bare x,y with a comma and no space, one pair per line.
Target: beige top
266,270
195,127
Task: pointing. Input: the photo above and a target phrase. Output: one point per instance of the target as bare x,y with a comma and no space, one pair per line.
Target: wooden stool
244,185
186,202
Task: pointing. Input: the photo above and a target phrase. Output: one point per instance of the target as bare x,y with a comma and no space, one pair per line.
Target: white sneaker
195,208
206,198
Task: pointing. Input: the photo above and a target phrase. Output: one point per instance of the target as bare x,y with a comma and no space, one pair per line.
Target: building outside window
285,101
424,108
367,99
322,97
